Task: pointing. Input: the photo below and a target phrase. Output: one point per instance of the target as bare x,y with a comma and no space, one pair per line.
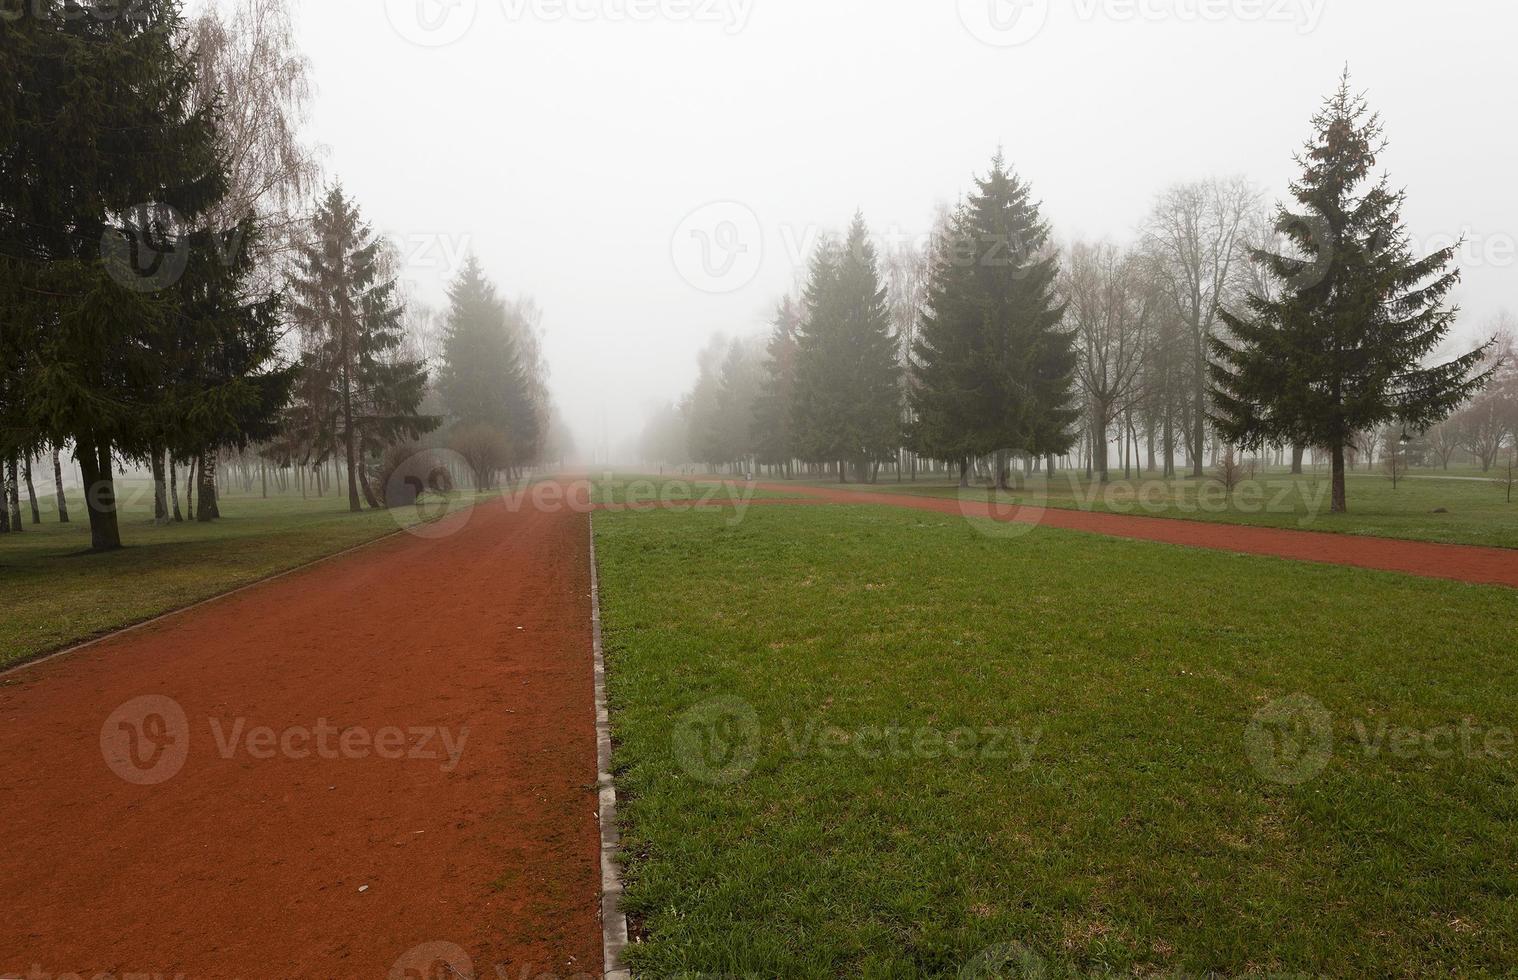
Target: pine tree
483,380
703,407
993,366
105,163
1340,349
774,440
739,382
233,384
357,392
847,406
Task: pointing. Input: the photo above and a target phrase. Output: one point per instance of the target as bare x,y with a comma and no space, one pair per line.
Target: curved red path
336,864
1463,563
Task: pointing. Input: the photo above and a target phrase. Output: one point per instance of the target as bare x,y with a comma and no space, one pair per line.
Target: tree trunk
1340,499
1099,443
1200,421
348,444
174,487
189,490
964,473
369,497
1297,452
13,492
206,509
263,477
1167,439
31,491
160,489
63,501
99,493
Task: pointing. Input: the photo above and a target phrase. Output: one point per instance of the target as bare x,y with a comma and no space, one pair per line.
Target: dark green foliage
357,392
720,409
105,171
483,379
847,399
228,386
774,437
993,367
1341,350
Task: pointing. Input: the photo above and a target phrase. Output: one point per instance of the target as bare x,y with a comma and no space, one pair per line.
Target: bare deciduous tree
248,58
1198,232
1111,307
1444,440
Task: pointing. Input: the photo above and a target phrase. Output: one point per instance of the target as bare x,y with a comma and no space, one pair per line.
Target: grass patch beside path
1476,512
54,593
647,492
784,690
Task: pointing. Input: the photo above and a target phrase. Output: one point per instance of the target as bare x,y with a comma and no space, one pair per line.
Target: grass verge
1428,506
860,742
54,593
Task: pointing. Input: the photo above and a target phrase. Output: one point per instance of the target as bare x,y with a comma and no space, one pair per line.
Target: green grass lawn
1475,511
1140,779
54,593
635,492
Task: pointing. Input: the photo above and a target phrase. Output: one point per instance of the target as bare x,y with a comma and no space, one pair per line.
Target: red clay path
340,843
1464,563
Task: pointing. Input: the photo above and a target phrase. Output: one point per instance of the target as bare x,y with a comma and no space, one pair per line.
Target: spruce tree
993,366
358,393
1341,348
774,443
233,384
847,405
104,165
483,380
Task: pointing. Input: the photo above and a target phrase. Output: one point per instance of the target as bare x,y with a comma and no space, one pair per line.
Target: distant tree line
1223,327
169,301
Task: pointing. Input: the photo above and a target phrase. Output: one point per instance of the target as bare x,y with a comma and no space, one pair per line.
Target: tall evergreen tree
993,365
358,393
774,441
483,379
232,385
1341,348
104,165
847,406
703,407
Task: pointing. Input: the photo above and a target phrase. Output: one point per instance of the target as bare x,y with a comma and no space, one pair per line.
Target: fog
576,148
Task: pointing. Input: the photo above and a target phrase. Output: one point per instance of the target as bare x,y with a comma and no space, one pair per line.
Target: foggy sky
569,142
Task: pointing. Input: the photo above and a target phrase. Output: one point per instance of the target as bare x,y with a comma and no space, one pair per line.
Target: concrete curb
613,922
